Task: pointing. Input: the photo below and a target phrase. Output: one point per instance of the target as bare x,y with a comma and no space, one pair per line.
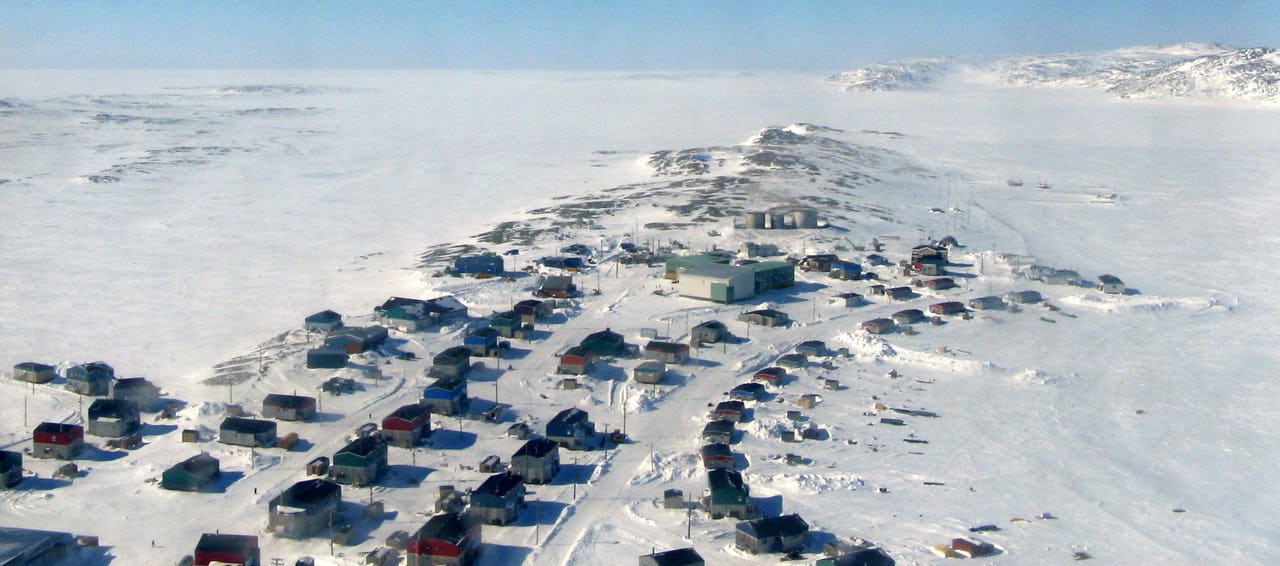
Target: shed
60,441
899,293
113,418
677,557
667,352
447,539
326,358
813,348
323,321
498,500
288,407
305,509
717,282
783,534
649,372
360,462
240,431
519,431
537,461
34,372
227,549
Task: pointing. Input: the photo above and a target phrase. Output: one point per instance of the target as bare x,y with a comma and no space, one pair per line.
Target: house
747,391
709,332
1061,277
240,431
728,411
519,431
879,326
972,548
306,509
10,468
667,352
717,282
907,316
415,315
793,361
753,249
859,557
877,260
356,340
453,362
765,317
447,539
498,500
113,418
137,390
939,284
947,308
718,431
783,534
533,310
323,321
1110,284
569,263
727,495
327,358
93,378
361,462
59,441
537,461
899,293
446,396
818,262
489,264
845,270
847,300
407,426
482,342
930,265
571,429
227,549
1023,297
990,302
677,557
556,287
288,407
717,455
927,251
771,275
675,266
193,474
34,372
509,324
812,348
575,361
649,372
605,344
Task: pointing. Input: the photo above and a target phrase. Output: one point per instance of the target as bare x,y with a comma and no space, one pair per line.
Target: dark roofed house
815,348
605,344
845,270
533,310
859,557
710,332
34,372
240,431
482,342
557,286
727,495
667,352
288,407
453,362
357,340
899,293
10,468
717,455
323,321
649,372
137,390
939,284
1023,297
879,326
772,375
784,534
192,474
718,431
818,262
113,418
990,302
93,378
415,315
447,539
327,358
307,508
575,361
227,549
676,557
489,264
765,317
1110,284
60,441
793,361
446,396
361,462
947,308
538,461
848,300
728,411
908,316
507,324
926,251
407,426
498,500
571,428
747,391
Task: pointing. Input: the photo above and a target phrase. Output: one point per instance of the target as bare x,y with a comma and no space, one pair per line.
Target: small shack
676,557
730,411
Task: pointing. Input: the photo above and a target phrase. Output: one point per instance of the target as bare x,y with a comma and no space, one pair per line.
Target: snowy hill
1189,70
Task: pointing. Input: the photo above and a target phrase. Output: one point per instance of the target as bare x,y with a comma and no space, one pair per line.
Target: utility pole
575,478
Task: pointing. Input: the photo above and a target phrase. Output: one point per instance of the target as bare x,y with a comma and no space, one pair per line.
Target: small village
548,377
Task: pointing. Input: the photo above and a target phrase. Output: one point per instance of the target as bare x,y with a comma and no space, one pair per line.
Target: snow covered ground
233,210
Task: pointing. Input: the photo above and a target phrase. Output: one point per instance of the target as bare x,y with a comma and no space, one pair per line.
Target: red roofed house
407,425
57,440
449,539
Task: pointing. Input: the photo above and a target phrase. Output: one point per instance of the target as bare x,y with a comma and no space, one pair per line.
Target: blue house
323,321
446,396
482,342
484,264
93,378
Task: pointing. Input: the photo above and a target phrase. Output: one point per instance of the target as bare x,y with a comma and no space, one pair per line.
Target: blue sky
596,35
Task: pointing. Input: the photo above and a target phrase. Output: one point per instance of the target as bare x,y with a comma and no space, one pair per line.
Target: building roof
449,383
409,412
769,527
666,347
364,447
570,416
17,545
716,449
288,401
1109,280
210,542
718,426
324,316
768,313
724,478
676,557
196,463
130,383
718,270
247,426
730,406
310,493
537,448
651,366
713,325
32,366
447,527
751,387
58,428
453,353
500,484
111,409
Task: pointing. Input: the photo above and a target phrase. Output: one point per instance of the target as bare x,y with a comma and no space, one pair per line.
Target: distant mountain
1188,70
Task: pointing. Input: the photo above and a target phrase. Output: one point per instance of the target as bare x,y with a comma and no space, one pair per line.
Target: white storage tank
755,220
805,218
